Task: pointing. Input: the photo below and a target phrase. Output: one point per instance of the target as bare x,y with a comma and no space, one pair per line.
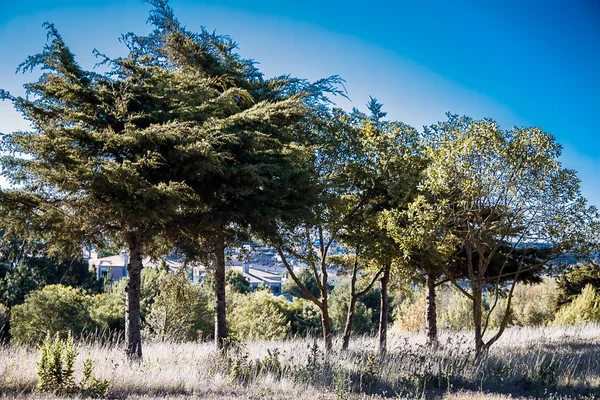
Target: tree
109,154
262,179
498,195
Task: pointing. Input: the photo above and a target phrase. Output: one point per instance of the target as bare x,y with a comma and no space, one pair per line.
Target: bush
583,308
339,301
572,283
534,305
108,308
258,316
56,372
55,308
305,318
179,312
409,315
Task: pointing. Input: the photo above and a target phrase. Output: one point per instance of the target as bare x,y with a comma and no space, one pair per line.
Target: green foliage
53,309
534,304
35,272
305,318
258,316
108,308
339,301
236,281
90,386
307,278
179,312
584,307
54,368
56,373
572,283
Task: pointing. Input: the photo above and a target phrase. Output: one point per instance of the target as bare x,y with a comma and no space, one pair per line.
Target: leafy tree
109,154
495,192
261,178
362,321
53,309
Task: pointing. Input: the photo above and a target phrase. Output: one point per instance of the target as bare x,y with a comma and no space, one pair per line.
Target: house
115,267
260,278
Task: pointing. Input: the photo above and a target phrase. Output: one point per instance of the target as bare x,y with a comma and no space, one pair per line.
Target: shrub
108,308
572,283
305,318
534,305
56,372
179,312
584,308
53,309
410,313
339,301
258,316
55,368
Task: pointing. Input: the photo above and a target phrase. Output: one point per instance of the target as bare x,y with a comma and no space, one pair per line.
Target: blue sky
521,63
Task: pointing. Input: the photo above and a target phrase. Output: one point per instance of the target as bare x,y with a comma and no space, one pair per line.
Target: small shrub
56,372
258,316
55,367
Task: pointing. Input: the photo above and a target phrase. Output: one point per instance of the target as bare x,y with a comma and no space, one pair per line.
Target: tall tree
498,195
110,155
262,179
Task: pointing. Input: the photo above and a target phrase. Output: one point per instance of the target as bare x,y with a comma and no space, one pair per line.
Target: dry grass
525,362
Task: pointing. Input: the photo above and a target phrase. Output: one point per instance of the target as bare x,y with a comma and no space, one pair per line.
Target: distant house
115,267
260,278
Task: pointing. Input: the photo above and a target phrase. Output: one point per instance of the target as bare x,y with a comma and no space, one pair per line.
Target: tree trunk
383,315
349,318
431,315
477,318
133,333
327,336
220,303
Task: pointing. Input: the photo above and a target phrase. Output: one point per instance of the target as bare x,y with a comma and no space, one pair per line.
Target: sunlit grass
525,362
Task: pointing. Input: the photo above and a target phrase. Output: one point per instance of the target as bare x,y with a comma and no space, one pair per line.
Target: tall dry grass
545,361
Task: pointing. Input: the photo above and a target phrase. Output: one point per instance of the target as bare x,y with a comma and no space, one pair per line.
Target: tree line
183,144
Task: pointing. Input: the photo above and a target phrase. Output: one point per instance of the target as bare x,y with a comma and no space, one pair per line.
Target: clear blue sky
519,62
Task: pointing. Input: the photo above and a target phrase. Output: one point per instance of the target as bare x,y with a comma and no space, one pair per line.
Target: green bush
179,312
55,308
535,304
305,318
572,283
583,308
56,372
108,308
339,301
258,316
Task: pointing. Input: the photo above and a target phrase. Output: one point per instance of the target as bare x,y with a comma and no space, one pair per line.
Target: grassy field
542,362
